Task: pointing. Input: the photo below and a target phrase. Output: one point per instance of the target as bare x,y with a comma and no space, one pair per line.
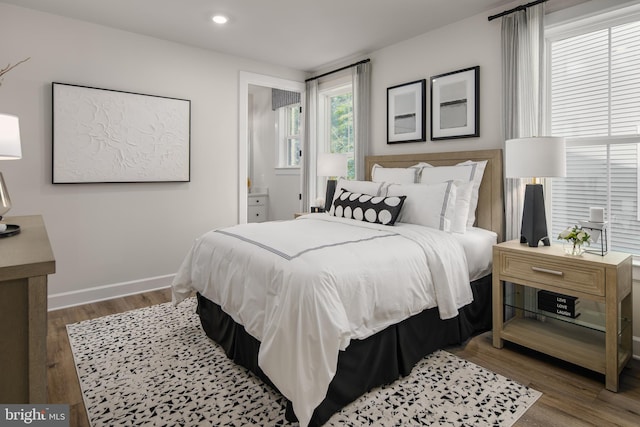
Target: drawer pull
545,270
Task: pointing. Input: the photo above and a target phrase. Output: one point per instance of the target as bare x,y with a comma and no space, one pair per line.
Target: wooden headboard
490,211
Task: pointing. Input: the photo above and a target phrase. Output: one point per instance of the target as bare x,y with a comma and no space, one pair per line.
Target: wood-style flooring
571,396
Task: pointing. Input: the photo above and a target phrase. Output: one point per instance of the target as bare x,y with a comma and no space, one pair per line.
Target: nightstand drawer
257,214
257,200
579,277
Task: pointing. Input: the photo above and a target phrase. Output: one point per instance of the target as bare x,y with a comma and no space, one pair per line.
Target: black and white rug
156,367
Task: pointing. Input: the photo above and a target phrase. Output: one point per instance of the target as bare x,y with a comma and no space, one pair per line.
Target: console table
25,261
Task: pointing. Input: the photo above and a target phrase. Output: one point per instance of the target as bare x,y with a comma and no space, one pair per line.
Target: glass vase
573,249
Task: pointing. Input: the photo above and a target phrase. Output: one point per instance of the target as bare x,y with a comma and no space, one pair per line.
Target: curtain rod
516,9
364,61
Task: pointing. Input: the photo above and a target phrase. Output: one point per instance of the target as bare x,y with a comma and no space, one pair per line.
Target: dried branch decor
10,67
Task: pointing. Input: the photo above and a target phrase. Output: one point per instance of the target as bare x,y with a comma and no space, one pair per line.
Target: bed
351,305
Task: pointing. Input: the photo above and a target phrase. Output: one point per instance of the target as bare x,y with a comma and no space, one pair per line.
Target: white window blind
595,103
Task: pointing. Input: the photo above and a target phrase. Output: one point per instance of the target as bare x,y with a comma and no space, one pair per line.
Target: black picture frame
406,112
455,104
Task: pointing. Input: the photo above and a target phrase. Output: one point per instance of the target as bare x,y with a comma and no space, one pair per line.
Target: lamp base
331,189
11,230
534,219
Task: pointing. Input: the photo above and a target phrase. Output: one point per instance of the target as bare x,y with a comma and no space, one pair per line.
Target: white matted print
406,112
107,136
455,104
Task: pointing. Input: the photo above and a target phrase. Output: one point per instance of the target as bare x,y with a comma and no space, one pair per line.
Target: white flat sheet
478,248
305,288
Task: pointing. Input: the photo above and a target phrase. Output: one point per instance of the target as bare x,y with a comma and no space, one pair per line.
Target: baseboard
101,293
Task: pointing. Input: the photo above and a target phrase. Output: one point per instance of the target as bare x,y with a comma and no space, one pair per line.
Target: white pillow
394,175
429,205
461,210
434,174
362,187
477,179
469,171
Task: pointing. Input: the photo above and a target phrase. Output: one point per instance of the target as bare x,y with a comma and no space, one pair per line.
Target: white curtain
522,80
522,74
310,134
361,84
361,88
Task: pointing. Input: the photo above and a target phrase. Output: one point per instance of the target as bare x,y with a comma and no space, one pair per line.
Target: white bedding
305,298
478,248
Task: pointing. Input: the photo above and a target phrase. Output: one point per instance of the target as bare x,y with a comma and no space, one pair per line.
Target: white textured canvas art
104,135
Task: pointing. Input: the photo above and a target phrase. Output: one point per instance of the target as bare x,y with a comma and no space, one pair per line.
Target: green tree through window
341,129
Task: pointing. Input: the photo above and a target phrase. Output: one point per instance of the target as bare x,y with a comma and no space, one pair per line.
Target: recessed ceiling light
220,19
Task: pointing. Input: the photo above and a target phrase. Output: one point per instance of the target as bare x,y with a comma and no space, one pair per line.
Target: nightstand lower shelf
580,346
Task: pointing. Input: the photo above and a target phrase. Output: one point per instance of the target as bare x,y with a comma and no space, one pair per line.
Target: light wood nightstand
600,339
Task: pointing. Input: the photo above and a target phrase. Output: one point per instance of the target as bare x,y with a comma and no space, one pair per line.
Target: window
594,88
289,136
336,119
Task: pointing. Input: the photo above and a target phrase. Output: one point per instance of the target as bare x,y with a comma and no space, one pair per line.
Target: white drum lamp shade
331,165
536,157
9,137
10,149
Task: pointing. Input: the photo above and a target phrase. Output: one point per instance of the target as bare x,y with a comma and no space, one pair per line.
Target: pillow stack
441,197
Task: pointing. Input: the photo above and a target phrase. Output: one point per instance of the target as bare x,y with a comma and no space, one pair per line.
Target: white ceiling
302,34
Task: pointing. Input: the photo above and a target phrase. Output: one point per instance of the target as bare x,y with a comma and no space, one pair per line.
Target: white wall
119,234
468,43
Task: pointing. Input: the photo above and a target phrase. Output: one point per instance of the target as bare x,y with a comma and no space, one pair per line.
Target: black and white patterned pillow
364,207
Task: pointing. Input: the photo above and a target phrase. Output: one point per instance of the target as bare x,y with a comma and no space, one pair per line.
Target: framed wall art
110,136
406,112
455,104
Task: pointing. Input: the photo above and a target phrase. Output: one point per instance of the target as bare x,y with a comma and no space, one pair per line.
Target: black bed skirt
379,359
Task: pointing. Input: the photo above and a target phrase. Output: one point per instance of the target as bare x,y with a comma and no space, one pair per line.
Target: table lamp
9,150
332,165
536,157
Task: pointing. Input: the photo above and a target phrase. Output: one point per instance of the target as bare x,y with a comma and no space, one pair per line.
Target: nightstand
258,207
600,339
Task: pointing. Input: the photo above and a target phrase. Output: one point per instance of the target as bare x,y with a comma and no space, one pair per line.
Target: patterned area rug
155,366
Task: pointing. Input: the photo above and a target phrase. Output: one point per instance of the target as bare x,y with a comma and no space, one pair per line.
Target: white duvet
305,288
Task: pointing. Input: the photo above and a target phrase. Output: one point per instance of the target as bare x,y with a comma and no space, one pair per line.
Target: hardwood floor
571,396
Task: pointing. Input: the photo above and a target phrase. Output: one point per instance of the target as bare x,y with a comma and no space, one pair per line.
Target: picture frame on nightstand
600,240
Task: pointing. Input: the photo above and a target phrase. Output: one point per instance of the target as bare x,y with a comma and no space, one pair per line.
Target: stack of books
563,305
